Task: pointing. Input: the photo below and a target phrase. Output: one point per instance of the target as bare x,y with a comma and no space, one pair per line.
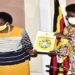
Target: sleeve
26,42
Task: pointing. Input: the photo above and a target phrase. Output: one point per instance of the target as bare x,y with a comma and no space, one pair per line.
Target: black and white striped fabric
18,56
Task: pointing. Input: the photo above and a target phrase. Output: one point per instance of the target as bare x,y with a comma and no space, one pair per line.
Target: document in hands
44,41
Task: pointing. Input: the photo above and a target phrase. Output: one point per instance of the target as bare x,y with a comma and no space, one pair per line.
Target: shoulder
17,28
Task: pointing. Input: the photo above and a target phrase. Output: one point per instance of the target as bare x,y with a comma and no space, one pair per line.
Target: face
2,22
70,14
71,18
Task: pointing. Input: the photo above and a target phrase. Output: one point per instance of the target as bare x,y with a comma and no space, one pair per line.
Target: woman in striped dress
15,50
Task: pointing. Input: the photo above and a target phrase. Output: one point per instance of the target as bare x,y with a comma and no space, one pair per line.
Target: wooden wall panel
70,1
15,8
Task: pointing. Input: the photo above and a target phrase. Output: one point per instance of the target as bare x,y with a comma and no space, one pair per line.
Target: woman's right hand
52,53
58,35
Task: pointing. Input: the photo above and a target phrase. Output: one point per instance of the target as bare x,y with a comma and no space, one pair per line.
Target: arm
26,42
27,45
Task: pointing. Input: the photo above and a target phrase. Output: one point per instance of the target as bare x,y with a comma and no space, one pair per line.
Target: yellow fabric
61,43
16,31
60,74
58,20
73,73
65,31
69,30
18,69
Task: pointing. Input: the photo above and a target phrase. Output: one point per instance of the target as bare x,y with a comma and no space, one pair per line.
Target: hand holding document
44,41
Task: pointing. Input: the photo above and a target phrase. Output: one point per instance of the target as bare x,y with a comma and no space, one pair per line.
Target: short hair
70,7
6,17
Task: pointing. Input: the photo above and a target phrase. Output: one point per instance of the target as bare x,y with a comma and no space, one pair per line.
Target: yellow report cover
44,41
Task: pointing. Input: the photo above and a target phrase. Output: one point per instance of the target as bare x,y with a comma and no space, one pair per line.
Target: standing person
69,33
15,50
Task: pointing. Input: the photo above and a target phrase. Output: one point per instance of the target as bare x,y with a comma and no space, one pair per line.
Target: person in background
15,48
